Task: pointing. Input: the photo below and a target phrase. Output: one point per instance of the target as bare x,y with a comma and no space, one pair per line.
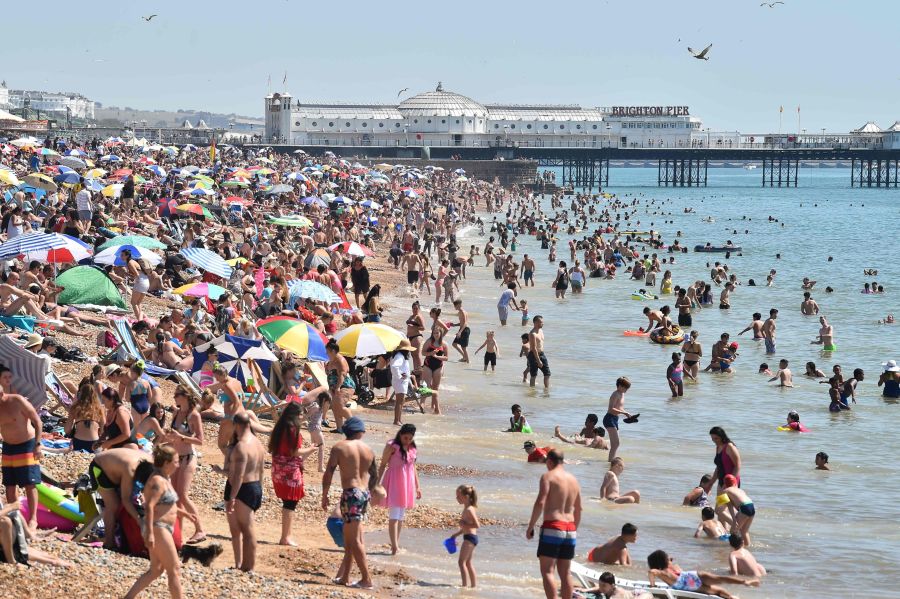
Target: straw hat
891,366
405,345
34,340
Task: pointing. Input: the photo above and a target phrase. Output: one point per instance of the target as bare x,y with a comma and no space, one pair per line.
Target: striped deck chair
58,393
187,381
29,371
128,349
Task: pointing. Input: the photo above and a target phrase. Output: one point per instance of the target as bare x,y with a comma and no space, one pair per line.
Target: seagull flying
148,18
700,55
771,4
401,91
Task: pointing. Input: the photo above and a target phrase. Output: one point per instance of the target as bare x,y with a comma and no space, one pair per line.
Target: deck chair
262,401
128,350
87,503
187,381
57,393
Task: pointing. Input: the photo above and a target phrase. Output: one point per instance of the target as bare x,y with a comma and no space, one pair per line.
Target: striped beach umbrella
29,371
29,242
41,181
352,248
74,250
369,339
195,209
209,261
300,290
317,257
296,336
209,290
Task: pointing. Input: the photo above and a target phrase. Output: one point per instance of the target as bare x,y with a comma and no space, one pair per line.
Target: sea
820,534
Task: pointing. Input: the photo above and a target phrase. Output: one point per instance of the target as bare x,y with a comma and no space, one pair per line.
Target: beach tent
29,370
88,285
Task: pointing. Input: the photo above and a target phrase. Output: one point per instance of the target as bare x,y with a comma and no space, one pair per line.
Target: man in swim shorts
536,358
359,479
461,341
243,491
21,429
527,270
768,331
559,501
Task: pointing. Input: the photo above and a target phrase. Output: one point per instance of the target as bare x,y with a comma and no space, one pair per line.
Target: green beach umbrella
139,241
88,285
290,221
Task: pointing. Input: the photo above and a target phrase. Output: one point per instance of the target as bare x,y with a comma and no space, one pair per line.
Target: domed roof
441,103
869,127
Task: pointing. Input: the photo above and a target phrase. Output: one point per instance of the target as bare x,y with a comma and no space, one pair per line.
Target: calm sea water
821,534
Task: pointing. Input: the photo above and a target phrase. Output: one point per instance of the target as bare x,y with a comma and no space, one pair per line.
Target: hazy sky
833,58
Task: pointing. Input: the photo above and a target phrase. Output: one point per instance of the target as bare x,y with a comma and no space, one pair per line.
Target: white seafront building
445,118
60,104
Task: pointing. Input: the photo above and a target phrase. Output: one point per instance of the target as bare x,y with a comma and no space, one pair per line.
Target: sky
832,58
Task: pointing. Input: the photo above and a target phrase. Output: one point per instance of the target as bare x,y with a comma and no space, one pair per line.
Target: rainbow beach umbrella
368,339
209,290
293,335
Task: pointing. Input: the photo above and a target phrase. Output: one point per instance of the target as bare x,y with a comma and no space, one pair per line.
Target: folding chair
128,347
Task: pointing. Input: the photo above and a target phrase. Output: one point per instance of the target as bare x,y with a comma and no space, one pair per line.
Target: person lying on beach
615,551
664,568
14,536
709,526
741,561
610,488
590,436
606,587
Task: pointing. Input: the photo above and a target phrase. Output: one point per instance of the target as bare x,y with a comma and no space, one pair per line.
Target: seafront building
59,104
446,118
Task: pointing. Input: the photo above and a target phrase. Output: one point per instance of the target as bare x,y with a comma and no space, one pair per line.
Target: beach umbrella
157,170
461,179
294,335
112,191
234,355
29,242
343,200
95,173
73,162
22,142
113,255
9,178
46,152
199,191
110,158
317,257
296,177
236,183
352,248
196,209
209,261
88,285
29,370
41,181
294,220
278,189
93,185
459,171
369,339
75,152
370,204
140,241
209,290
238,200
300,289
70,177
74,250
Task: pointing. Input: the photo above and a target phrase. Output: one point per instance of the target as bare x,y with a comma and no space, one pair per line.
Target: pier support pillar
588,173
868,172
780,171
682,172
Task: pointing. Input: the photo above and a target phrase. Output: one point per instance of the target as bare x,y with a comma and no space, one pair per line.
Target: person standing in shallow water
400,480
537,360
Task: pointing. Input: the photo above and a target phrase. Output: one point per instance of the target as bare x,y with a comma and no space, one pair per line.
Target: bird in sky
700,55
771,4
148,18
401,91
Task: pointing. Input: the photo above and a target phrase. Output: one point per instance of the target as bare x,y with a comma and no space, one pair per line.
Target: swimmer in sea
740,505
808,307
756,325
813,372
615,551
675,375
610,488
784,376
741,561
699,495
591,435
807,284
764,369
826,336
709,526
822,461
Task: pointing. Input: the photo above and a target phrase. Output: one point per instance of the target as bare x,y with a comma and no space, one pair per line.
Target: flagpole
780,117
798,123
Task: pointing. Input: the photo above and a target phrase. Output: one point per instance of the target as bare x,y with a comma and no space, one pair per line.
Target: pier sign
650,111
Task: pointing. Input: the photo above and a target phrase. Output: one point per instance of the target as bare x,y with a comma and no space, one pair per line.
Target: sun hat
405,345
891,366
33,340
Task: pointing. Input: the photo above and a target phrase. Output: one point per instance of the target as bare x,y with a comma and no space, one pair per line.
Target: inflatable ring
56,501
643,296
677,336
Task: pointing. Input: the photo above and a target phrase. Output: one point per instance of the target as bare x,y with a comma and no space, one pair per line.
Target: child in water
664,568
491,351
675,375
468,530
793,423
822,461
523,306
517,422
741,561
523,352
709,526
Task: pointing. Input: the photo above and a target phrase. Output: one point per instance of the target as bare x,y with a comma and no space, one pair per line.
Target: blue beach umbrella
113,255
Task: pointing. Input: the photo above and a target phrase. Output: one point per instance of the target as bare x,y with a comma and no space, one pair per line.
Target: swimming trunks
685,320
490,358
747,509
471,538
250,494
611,421
20,466
770,346
527,275
99,479
354,504
462,338
534,366
412,276
687,581
557,540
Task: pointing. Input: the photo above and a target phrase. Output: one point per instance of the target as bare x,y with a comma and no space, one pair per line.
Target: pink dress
400,479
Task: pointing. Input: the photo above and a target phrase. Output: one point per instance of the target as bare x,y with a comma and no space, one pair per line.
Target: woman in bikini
436,353
231,395
415,325
693,351
340,384
185,436
161,509
85,418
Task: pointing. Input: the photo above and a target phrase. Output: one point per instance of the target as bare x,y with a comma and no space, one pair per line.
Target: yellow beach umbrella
9,178
41,181
95,173
369,339
112,191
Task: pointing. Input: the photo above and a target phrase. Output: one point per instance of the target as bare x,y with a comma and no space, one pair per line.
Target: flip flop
632,419
196,539
359,585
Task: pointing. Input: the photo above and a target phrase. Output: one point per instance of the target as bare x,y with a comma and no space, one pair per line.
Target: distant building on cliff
56,104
